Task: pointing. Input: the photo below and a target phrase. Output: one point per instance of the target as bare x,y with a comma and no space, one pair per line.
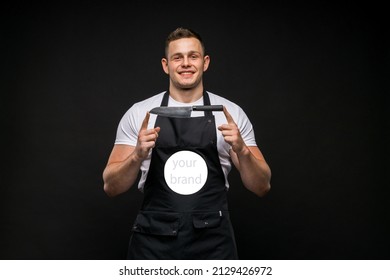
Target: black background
312,78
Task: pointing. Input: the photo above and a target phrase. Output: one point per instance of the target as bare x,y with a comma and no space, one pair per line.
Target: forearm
255,173
118,177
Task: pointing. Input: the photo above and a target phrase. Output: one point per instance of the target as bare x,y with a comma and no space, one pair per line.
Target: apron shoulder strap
164,101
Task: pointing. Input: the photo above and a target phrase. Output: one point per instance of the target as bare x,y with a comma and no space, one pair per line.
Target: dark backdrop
313,80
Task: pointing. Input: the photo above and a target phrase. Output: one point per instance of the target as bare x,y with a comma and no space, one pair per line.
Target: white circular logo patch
185,172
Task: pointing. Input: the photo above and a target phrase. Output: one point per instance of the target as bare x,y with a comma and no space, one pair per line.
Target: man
184,162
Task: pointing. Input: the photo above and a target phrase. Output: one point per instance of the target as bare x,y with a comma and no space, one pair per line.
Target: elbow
260,187
264,183
267,184
113,189
110,192
109,186
264,190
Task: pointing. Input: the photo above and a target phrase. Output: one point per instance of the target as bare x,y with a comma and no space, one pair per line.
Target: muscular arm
124,162
254,170
121,170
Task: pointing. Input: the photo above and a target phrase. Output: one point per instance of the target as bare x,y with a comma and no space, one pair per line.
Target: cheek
171,67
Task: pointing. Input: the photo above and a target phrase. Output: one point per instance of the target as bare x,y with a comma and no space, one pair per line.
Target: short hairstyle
180,33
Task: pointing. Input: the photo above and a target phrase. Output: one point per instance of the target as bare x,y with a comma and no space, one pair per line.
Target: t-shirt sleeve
131,121
246,128
127,131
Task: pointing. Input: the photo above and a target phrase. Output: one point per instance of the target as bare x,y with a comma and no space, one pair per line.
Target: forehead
184,45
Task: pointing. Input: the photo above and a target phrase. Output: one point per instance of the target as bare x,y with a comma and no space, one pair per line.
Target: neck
186,96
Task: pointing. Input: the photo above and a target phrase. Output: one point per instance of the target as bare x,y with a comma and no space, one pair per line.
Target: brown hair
180,33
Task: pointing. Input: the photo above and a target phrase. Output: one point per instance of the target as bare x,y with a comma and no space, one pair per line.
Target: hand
146,139
232,134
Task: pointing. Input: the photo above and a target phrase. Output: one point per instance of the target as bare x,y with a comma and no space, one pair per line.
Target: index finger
145,121
229,117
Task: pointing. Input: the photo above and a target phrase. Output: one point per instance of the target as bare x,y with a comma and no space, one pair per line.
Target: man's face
185,63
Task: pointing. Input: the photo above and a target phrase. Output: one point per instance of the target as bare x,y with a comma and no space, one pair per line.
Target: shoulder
141,107
149,103
215,98
233,108
136,113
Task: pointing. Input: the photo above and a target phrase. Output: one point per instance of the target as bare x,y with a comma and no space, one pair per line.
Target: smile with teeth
185,74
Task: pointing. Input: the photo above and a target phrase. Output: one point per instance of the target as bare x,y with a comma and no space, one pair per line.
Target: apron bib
184,214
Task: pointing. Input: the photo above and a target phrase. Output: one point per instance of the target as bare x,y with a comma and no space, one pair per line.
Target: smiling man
184,162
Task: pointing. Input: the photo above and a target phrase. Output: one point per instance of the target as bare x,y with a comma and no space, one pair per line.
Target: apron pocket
206,220
157,223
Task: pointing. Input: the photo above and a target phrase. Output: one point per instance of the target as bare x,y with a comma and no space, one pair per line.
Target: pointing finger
145,121
229,118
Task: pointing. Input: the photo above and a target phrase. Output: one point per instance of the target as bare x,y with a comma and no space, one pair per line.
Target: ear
164,64
206,62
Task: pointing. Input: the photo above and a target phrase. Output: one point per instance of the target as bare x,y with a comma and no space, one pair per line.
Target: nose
186,61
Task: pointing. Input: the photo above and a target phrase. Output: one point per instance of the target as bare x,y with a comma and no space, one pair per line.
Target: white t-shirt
130,124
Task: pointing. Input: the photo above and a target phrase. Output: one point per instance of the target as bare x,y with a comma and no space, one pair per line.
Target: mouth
186,74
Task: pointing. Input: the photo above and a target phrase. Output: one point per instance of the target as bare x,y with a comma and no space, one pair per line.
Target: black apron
170,225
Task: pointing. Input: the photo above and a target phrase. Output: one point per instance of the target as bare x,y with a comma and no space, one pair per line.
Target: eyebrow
189,53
